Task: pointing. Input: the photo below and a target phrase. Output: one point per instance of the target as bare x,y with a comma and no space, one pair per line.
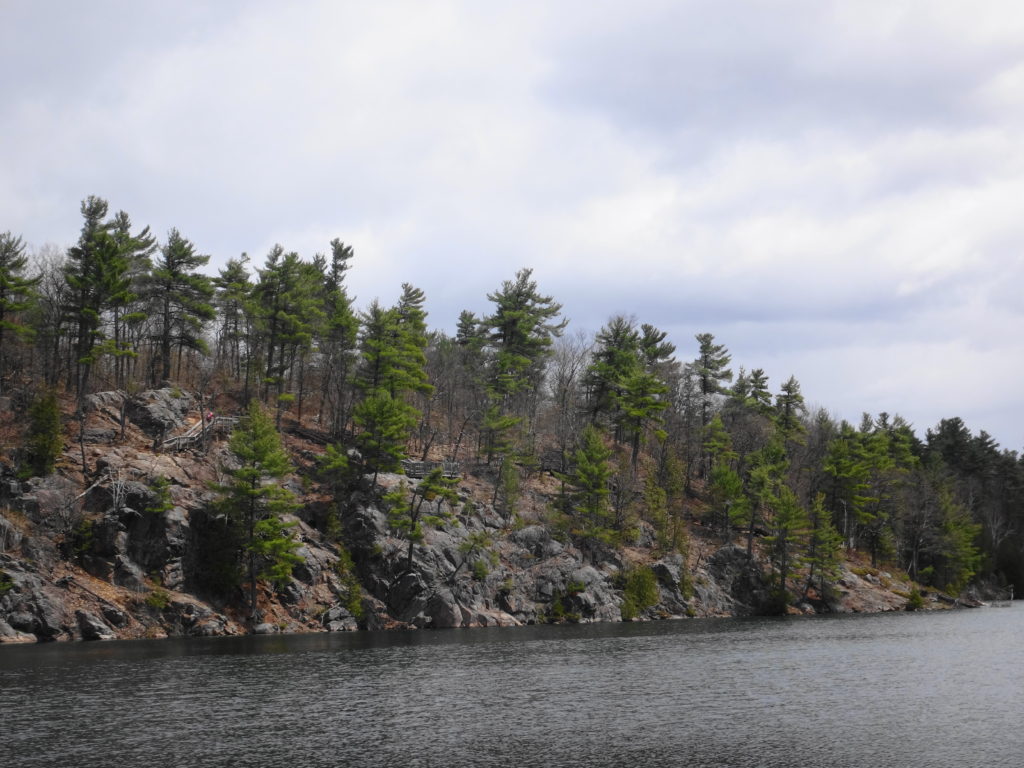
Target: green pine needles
254,500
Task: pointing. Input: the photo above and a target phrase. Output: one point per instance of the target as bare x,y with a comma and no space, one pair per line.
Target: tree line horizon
633,432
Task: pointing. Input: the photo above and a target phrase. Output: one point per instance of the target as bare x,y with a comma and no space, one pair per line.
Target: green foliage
521,330
480,569
824,547
476,549
915,602
623,382
351,593
158,599
161,502
640,592
17,293
587,504
254,501
385,423
407,518
182,299
6,584
729,505
44,442
274,546
558,611
789,406
712,370
788,530
507,487
82,537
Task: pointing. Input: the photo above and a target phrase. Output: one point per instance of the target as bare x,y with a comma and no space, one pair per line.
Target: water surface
936,689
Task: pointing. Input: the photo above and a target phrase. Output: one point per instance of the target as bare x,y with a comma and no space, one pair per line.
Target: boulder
9,634
93,628
128,575
157,412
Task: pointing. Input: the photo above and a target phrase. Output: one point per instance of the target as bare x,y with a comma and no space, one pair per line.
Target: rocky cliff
96,555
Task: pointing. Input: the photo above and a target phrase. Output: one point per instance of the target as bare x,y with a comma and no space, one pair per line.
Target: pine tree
44,442
99,273
16,295
232,290
337,339
384,425
181,299
788,528
823,549
408,518
712,371
766,469
589,480
255,500
287,304
789,406
521,331
126,302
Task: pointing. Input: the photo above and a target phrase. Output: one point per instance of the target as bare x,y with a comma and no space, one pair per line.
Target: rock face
117,562
159,411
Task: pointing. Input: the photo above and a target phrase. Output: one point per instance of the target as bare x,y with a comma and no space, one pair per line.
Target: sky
832,189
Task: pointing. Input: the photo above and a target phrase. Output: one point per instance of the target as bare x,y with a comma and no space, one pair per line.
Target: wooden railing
199,432
419,469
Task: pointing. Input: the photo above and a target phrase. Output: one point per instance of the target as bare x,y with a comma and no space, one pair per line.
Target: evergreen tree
384,425
766,470
337,343
255,499
409,517
181,299
286,299
232,289
823,549
125,287
45,441
788,527
410,373
521,330
712,372
16,294
622,381
789,406
588,500
98,273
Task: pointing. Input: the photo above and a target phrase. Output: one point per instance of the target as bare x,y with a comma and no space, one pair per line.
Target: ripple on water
915,690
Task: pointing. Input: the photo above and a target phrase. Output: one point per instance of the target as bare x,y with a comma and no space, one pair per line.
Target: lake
907,690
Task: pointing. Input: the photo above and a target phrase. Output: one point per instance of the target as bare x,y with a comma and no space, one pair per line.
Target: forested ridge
639,434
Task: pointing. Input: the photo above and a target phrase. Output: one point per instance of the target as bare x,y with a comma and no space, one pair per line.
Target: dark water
910,690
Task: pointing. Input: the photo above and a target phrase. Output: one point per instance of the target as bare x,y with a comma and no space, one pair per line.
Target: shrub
158,599
351,591
44,441
915,602
640,592
480,569
161,501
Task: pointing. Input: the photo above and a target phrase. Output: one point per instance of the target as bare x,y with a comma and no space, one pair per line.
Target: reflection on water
892,690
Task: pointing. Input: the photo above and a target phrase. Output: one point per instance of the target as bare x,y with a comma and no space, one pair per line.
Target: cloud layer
829,188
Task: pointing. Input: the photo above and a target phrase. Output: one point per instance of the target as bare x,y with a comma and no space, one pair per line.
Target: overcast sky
833,189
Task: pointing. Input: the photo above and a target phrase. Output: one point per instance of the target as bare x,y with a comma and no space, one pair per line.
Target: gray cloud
830,188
